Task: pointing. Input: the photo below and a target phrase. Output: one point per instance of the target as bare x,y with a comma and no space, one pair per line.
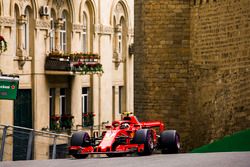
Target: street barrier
19,143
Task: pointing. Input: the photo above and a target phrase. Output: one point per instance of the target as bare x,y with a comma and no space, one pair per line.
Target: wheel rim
150,142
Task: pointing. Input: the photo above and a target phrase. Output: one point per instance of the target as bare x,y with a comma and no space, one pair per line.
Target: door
22,118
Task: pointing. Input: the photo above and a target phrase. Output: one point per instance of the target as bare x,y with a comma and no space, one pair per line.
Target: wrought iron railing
77,62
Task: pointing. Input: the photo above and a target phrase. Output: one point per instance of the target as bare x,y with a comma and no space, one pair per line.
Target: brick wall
192,66
220,73
162,39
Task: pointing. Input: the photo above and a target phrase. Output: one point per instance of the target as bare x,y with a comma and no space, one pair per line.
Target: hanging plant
3,44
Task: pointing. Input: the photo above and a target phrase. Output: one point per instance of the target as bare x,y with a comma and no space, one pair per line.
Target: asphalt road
235,159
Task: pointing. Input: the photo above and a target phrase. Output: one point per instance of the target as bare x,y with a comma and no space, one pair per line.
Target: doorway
22,118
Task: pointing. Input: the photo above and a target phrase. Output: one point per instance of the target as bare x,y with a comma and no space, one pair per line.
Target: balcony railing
82,63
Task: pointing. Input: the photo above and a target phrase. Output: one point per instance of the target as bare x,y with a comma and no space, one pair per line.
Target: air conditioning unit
44,11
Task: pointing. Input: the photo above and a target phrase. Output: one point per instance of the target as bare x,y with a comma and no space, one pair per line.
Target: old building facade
192,66
34,29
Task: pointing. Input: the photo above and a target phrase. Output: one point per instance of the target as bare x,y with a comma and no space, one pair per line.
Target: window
16,35
113,101
63,36
85,101
118,39
120,99
52,106
85,34
62,101
26,31
52,31
120,43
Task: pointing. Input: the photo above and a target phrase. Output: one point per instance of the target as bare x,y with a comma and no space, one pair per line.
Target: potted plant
88,119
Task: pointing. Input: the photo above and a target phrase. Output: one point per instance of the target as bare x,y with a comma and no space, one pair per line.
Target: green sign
8,87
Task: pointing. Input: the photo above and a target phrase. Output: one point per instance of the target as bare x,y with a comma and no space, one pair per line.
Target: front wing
120,149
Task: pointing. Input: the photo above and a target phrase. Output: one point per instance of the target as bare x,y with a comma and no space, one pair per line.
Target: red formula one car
124,137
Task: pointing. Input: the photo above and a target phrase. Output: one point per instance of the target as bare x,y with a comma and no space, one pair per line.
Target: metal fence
19,143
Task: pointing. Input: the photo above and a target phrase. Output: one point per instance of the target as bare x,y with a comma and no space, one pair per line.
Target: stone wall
192,66
220,70
162,39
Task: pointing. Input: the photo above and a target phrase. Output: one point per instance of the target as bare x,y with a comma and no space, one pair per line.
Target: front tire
111,155
170,142
80,156
80,139
144,136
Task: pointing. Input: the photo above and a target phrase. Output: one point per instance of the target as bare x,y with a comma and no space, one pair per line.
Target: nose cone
103,149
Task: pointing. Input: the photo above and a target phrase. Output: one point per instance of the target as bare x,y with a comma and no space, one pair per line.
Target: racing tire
115,155
80,139
80,156
144,136
170,142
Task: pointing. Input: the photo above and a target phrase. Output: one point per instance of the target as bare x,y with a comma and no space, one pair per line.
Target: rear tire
170,142
144,136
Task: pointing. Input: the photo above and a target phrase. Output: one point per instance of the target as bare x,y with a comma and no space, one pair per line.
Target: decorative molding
119,8
119,11
7,21
24,3
79,28
43,24
59,4
118,28
104,30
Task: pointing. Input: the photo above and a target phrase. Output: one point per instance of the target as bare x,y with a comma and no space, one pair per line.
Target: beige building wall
109,94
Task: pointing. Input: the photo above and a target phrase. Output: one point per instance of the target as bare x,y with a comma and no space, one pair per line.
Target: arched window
85,34
119,35
63,33
26,30
52,30
123,38
16,13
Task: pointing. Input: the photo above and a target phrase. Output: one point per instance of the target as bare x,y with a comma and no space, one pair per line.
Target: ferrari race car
124,137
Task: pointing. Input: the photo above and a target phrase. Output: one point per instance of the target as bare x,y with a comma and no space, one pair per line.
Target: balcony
71,64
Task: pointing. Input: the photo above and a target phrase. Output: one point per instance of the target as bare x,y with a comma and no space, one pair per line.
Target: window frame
85,34
84,109
62,98
63,34
52,33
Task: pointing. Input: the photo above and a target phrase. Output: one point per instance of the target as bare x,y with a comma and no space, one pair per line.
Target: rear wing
153,124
